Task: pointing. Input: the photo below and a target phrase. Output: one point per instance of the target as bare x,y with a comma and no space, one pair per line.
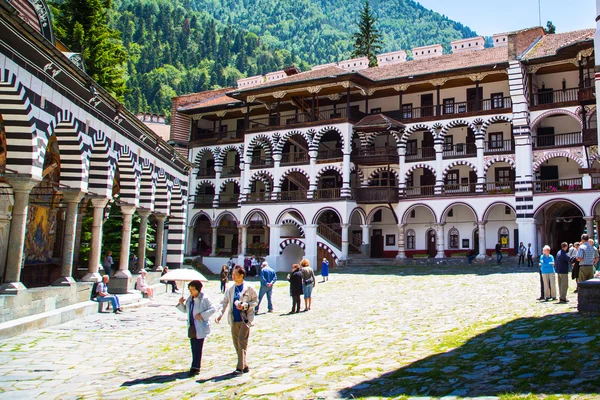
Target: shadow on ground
437,269
158,379
550,355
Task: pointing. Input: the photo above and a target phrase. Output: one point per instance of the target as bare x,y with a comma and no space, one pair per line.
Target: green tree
550,28
83,26
367,41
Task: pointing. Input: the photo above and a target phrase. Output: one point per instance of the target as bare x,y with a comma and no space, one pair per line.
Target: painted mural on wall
40,234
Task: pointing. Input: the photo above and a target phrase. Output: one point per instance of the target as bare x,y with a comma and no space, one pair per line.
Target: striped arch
458,162
162,204
413,129
260,140
289,171
556,111
555,154
289,211
383,169
25,141
147,186
214,151
456,123
205,182
103,164
278,149
287,242
265,177
226,181
493,120
336,168
297,224
220,217
251,214
370,139
421,165
129,181
361,214
176,232
498,158
314,145
74,165
329,250
359,174
220,159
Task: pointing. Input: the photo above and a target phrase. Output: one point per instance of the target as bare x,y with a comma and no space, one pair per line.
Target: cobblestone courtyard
385,332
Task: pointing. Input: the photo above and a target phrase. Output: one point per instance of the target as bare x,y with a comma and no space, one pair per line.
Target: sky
487,17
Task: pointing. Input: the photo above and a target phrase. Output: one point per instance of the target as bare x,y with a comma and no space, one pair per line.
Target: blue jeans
471,258
197,345
498,258
114,300
269,292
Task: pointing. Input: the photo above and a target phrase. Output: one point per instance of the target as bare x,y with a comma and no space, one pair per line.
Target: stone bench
588,296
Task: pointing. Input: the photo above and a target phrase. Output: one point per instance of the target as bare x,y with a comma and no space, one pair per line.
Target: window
410,239
409,181
449,106
465,243
497,100
377,218
413,213
496,140
453,238
452,178
503,237
507,210
503,174
411,147
376,110
390,240
448,142
255,239
407,112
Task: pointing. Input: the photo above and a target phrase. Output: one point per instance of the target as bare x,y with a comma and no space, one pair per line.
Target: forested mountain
183,46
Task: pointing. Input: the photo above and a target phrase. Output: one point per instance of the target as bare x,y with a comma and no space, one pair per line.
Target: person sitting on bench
103,296
173,284
142,285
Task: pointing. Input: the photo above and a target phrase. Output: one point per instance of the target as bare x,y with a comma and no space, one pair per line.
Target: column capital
274,226
366,226
401,225
22,183
242,226
312,226
72,195
160,217
588,218
99,202
143,212
345,226
127,209
481,223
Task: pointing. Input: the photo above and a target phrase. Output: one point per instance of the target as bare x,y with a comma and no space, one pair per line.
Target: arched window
453,238
410,239
503,237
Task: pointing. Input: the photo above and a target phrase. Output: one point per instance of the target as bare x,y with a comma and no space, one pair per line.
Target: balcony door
427,105
427,182
545,136
472,97
377,244
427,145
549,173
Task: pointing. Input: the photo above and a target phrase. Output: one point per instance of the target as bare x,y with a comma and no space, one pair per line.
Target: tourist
107,262
561,267
241,299
224,279
174,288
102,295
230,266
295,280
471,256
575,263
547,270
325,270
268,277
142,285
308,283
254,264
591,243
522,254
585,256
529,255
198,309
498,253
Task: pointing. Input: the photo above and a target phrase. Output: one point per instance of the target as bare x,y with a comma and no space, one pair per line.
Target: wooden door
427,145
472,181
476,241
427,182
472,97
427,105
377,244
431,243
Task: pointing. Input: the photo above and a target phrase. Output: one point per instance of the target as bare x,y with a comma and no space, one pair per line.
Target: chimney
424,52
474,43
394,57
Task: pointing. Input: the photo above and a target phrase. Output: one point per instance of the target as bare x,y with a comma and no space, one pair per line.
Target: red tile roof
200,97
302,76
550,44
377,122
206,99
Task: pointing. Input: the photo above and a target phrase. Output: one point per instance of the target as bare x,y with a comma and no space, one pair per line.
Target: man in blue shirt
268,277
561,266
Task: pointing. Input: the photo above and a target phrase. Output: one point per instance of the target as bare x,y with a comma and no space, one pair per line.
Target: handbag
192,331
309,281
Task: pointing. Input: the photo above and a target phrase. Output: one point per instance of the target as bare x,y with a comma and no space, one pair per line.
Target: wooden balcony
549,99
460,150
307,118
295,158
375,156
232,171
261,162
376,194
330,154
419,154
264,197
587,95
229,200
206,173
419,191
558,140
459,189
296,195
498,147
205,137
327,194
203,200
558,185
499,187
590,137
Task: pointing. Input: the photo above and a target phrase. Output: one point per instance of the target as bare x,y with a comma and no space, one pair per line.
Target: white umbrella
183,275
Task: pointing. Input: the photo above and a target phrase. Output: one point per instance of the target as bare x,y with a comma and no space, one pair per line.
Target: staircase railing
330,235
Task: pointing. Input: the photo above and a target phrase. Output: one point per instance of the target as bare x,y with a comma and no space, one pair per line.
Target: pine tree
83,26
550,28
367,41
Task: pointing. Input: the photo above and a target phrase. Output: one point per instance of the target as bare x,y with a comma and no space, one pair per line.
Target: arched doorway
295,151
431,239
559,221
291,254
202,236
227,236
329,227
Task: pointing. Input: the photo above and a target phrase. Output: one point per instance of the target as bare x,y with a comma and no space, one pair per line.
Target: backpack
94,294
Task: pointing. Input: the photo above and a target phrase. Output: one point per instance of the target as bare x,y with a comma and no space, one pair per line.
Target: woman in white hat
142,285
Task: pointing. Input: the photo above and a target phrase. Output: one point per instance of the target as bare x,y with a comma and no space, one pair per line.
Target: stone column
243,232
213,243
482,250
22,186
96,243
589,225
366,239
313,173
401,253
346,190
586,181
439,167
310,233
440,241
402,170
143,238
246,182
123,272
276,176
160,239
274,233
345,242
72,197
480,165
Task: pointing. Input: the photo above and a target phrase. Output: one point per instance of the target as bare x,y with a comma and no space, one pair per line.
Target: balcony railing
228,200
460,150
587,93
418,153
259,162
330,154
302,118
590,137
420,191
375,155
558,140
376,194
205,136
231,171
327,194
558,185
458,189
263,197
555,96
203,200
206,173
498,146
296,195
294,158
499,187
456,108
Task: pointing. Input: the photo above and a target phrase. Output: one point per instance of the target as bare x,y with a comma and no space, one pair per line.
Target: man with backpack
102,295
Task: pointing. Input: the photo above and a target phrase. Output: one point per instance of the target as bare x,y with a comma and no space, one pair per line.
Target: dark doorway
431,243
427,105
545,136
476,241
377,244
562,222
472,97
549,173
427,182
